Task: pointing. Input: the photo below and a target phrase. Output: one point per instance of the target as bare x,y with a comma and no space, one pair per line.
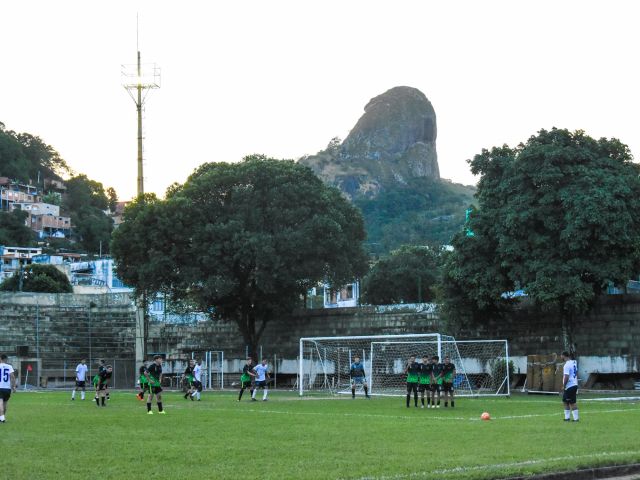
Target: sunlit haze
283,78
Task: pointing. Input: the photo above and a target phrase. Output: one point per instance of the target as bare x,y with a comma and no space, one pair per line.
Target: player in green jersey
187,377
436,381
144,385
246,378
448,374
426,371
412,370
154,379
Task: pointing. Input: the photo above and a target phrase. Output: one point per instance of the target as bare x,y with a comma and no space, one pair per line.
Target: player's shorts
156,390
102,386
570,394
358,381
435,387
423,387
197,385
80,384
411,386
261,384
246,384
447,386
145,387
5,393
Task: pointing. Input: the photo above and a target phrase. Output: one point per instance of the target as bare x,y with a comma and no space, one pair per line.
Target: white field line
427,416
611,399
499,466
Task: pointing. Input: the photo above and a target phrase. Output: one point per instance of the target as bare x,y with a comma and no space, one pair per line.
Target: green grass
48,436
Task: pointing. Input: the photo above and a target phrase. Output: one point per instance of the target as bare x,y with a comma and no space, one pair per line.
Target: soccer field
48,436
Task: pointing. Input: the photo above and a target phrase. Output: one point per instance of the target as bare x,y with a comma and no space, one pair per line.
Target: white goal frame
480,370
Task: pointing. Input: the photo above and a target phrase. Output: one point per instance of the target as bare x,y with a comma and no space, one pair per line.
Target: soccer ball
485,416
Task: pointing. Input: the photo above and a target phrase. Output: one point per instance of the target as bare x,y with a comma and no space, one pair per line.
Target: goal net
482,366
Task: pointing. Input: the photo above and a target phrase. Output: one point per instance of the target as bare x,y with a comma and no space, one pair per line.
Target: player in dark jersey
101,368
154,378
246,378
103,381
426,371
358,377
436,381
144,385
187,377
448,374
412,370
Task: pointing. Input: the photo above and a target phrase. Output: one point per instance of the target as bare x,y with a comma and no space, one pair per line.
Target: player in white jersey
197,379
7,385
570,386
81,379
262,375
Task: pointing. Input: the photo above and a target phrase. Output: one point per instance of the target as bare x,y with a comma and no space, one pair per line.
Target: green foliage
559,216
113,198
85,202
52,198
38,278
407,275
13,230
26,157
422,212
247,239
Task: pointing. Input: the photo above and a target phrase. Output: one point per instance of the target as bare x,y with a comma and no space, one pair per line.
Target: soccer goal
482,366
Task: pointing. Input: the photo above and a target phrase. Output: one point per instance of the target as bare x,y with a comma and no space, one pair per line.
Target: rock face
393,141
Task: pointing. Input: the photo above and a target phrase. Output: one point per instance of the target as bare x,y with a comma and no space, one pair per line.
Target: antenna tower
138,79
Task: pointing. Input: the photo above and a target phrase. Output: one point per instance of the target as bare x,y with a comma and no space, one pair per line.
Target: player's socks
159,406
415,398
408,400
1,418
353,393
366,392
264,395
148,406
575,415
446,404
73,395
82,395
428,402
567,415
103,400
97,402
422,400
452,404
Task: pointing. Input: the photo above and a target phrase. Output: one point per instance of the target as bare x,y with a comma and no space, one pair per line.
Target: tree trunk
247,324
567,332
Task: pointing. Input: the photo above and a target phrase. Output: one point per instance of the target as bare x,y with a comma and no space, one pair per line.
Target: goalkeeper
358,377
144,384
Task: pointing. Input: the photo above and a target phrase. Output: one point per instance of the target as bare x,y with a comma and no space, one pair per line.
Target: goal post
482,366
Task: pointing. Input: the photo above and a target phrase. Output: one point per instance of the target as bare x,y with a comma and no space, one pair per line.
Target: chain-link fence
50,338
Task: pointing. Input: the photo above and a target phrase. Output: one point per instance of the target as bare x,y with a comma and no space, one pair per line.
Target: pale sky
284,77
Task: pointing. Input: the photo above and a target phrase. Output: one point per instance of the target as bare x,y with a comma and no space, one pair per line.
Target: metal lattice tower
138,79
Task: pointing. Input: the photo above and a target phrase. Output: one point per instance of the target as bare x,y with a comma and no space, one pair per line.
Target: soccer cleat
567,419
72,399
162,412
576,420
149,412
3,421
368,397
265,399
253,399
422,406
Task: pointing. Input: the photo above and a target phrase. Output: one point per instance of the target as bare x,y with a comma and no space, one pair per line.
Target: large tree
407,275
38,278
13,230
559,216
243,241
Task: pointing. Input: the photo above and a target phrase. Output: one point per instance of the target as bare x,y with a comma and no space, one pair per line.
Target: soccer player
197,379
358,377
144,385
436,381
96,378
154,379
7,385
246,378
412,370
426,371
448,374
188,376
81,378
262,375
570,384
103,381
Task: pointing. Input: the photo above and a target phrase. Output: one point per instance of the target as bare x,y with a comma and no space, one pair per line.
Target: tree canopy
408,275
244,240
26,157
559,216
38,278
13,230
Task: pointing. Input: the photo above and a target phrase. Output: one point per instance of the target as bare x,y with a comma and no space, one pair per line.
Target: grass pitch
49,436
